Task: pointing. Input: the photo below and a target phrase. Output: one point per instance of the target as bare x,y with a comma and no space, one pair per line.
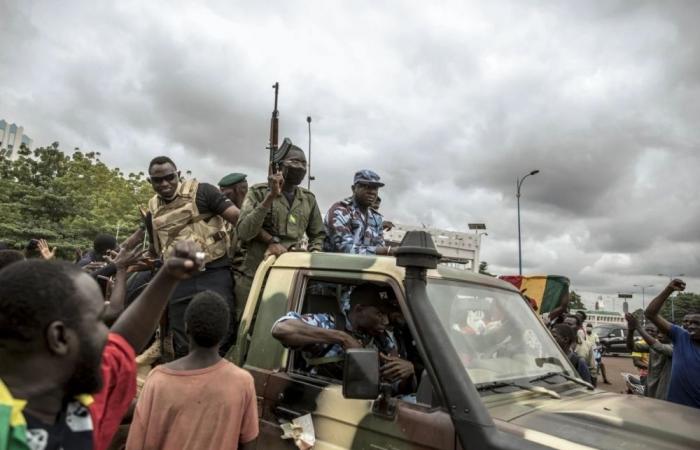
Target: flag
546,290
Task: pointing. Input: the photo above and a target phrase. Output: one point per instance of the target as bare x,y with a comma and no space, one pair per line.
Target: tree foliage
66,199
484,269
575,301
683,303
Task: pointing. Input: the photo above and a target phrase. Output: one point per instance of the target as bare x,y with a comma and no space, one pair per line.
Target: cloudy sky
450,103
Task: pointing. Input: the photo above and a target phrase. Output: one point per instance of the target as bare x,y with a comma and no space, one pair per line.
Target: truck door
256,350
296,389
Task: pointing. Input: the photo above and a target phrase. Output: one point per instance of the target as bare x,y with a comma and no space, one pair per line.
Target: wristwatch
275,240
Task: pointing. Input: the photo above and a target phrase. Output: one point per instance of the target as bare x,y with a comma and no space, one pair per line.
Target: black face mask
293,175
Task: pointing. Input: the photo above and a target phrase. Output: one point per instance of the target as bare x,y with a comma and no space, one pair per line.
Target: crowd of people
68,373
666,354
69,358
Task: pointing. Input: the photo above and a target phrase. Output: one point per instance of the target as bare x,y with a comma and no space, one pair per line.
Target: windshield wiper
500,384
565,376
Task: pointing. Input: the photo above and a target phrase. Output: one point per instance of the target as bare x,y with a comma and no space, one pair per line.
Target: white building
12,137
458,249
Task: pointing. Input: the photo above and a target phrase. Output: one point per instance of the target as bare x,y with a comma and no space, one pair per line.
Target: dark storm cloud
450,103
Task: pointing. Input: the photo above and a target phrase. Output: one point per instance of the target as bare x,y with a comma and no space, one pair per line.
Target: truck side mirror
361,374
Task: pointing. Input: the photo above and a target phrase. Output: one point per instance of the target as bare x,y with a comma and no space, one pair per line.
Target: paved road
614,365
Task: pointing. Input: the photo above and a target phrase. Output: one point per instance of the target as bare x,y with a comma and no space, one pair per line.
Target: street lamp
643,287
517,194
673,306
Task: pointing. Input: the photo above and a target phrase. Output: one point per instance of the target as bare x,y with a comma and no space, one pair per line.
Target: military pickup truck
491,375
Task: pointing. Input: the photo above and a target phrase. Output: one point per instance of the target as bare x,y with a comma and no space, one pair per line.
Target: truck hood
604,420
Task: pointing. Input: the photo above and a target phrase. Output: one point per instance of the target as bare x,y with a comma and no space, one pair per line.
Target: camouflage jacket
349,231
288,222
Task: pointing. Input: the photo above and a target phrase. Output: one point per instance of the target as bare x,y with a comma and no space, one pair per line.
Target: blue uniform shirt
684,387
349,230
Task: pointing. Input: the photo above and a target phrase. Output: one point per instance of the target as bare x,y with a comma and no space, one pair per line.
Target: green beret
231,179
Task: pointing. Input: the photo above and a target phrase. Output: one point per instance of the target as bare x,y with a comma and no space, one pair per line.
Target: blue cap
366,176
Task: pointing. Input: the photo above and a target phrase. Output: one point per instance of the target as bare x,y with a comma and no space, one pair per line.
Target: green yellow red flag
547,290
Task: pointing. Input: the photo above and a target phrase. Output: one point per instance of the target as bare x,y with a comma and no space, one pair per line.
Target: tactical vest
180,220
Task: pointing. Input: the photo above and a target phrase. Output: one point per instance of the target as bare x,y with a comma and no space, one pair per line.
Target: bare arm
231,214
116,297
135,239
296,334
646,336
121,261
652,311
631,326
138,322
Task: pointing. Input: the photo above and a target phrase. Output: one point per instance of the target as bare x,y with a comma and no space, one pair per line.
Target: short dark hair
565,331
34,293
103,243
161,160
7,257
207,318
583,315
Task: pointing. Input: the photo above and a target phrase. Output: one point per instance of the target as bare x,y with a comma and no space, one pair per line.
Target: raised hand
44,250
677,285
125,258
275,182
631,321
184,262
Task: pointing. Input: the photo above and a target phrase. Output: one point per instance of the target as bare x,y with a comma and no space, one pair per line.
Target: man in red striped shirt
55,348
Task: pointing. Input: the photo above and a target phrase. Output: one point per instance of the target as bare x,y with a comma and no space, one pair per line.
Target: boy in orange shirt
200,401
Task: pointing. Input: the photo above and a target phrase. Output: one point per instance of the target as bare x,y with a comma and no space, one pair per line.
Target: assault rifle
274,132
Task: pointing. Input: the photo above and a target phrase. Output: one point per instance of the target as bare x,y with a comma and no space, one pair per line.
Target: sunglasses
169,177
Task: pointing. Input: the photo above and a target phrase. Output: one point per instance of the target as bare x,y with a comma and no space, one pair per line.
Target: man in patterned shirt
353,225
323,338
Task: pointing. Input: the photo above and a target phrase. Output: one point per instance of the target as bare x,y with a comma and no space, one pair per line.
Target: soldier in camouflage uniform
274,218
324,338
353,225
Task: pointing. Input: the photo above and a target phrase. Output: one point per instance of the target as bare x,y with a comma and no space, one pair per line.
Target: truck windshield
495,333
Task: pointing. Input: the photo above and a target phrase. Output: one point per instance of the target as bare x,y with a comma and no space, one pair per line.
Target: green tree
575,301
66,199
484,269
683,303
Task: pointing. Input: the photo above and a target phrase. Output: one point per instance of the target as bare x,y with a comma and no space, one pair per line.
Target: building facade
458,249
12,137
